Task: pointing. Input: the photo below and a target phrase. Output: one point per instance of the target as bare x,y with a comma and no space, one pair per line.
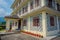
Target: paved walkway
19,37
56,38
22,36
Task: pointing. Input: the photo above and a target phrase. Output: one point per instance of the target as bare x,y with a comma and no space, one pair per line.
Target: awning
12,17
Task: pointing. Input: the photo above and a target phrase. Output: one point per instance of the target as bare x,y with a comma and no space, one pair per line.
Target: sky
5,7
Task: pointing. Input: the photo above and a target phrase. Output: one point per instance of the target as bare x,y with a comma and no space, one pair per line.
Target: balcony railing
19,7
58,7
53,5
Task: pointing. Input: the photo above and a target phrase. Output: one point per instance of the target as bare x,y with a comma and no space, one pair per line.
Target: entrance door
10,27
19,25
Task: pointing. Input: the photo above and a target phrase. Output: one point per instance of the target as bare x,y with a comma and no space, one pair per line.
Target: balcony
53,4
20,6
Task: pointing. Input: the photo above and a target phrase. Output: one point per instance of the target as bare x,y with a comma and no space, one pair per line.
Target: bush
1,28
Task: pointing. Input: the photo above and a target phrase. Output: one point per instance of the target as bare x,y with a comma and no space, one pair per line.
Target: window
36,21
23,10
19,12
24,22
50,3
58,7
19,1
31,5
23,0
12,23
15,23
36,3
52,21
26,8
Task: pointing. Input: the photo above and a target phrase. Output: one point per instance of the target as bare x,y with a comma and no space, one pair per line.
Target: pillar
21,24
7,24
43,2
57,24
29,23
44,23
28,6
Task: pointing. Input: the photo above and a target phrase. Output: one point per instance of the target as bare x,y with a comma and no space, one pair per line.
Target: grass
1,29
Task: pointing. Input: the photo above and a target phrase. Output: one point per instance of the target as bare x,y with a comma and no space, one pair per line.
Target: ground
22,36
56,38
18,37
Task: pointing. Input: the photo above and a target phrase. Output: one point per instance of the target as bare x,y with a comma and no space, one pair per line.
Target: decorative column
21,24
7,25
29,23
57,24
43,2
44,23
28,6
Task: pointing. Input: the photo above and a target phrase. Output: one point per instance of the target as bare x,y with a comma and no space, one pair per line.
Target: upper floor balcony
19,5
33,5
53,4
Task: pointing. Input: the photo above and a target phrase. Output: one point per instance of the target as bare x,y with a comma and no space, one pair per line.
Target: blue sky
5,7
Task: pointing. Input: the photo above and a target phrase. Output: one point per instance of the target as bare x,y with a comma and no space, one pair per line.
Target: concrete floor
56,38
22,36
19,37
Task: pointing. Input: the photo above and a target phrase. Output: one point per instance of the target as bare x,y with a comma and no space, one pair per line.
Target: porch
13,23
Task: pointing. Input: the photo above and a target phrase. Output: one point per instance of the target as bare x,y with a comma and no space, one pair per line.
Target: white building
35,17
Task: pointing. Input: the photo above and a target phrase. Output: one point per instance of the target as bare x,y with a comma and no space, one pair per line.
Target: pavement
56,38
22,36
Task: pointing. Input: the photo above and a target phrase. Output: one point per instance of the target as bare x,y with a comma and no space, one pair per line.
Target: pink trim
37,35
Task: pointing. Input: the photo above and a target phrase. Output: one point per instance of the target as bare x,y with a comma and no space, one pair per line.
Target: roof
12,17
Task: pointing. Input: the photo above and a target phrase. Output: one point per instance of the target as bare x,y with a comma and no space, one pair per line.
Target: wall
31,28
51,30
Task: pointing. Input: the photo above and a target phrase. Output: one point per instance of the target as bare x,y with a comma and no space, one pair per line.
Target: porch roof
12,17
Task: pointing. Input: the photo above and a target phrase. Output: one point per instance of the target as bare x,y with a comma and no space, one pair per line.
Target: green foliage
2,23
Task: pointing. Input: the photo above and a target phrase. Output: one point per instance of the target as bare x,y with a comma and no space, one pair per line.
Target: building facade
35,17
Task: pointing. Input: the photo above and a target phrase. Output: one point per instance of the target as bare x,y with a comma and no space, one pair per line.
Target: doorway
19,24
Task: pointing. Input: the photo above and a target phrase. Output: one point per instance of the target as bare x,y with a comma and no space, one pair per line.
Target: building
35,17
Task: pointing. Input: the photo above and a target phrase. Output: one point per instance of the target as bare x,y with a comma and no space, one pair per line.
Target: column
57,24
33,4
13,27
18,4
7,25
28,6
55,5
43,2
21,24
28,23
44,23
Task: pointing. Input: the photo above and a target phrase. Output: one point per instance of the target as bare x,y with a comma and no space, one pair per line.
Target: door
10,27
19,24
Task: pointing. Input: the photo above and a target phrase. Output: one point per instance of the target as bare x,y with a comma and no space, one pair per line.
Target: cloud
5,7
3,12
3,3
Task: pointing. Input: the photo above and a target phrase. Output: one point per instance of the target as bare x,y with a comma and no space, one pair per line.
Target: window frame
51,21
34,21
24,22
37,3
16,23
31,5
